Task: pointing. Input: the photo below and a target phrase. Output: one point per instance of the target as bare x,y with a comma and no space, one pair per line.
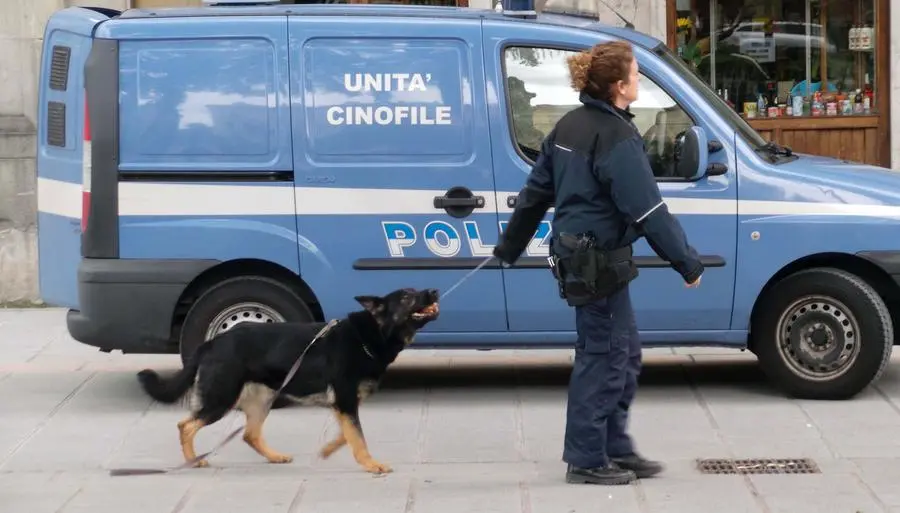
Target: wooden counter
859,138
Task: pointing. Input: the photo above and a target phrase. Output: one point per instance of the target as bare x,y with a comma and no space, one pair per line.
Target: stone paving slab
465,431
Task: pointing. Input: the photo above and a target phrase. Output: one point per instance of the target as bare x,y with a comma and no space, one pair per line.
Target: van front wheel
822,334
237,300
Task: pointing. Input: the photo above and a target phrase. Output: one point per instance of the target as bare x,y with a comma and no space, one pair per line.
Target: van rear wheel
823,333
237,300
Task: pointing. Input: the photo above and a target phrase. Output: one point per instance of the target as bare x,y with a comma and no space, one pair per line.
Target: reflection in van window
539,93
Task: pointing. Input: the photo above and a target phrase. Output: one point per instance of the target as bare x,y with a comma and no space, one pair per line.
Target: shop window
539,93
772,58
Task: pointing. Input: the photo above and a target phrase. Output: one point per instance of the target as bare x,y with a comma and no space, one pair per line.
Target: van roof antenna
628,24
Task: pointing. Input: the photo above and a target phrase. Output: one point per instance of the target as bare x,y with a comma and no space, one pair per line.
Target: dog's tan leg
187,430
253,437
254,403
354,437
363,391
332,446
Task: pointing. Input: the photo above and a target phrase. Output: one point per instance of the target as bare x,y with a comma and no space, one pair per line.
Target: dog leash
230,437
466,277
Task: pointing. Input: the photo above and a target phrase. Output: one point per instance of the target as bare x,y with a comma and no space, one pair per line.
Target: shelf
859,121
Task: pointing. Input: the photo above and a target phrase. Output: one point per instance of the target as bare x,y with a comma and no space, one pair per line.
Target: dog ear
370,303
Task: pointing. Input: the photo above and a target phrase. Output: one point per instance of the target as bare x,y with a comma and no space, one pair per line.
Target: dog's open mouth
429,312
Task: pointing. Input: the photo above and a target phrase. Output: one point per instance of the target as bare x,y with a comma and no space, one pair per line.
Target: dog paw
201,464
280,458
375,467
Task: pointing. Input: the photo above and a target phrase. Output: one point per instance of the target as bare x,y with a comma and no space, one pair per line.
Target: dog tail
168,390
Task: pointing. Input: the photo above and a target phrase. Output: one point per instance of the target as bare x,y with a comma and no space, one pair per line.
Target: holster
590,273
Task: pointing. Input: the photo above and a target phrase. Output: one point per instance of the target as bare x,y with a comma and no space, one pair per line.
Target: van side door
394,179
529,72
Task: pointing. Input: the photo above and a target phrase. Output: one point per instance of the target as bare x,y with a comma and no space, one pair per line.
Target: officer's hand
503,253
695,284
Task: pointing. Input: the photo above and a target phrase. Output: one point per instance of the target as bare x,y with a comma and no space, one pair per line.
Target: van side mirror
691,154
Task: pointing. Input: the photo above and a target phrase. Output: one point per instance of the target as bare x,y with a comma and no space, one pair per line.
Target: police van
203,167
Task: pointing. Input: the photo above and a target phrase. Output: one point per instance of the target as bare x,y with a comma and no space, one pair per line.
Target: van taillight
86,169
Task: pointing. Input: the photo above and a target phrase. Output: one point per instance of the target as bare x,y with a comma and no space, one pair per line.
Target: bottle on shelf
772,105
797,105
868,96
817,107
857,102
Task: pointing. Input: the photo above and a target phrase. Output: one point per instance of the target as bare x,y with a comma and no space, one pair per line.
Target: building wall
21,33
895,86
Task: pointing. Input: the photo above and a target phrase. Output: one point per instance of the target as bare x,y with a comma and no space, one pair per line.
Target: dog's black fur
243,367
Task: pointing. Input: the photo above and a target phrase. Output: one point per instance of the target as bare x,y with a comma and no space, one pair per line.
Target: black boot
609,475
640,466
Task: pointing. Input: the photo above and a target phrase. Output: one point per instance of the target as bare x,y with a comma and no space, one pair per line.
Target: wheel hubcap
818,338
241,312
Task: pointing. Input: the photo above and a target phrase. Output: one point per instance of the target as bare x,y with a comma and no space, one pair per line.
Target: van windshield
740,125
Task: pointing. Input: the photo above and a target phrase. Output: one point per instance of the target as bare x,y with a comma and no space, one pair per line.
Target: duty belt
590,272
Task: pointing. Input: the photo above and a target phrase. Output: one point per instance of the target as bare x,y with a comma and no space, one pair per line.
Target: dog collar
351,321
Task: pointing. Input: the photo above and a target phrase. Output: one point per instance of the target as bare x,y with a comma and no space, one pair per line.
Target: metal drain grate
758,466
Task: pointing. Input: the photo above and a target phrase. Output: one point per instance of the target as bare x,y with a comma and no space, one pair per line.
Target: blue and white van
201,167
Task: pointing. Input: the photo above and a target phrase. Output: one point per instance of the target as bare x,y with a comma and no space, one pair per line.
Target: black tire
271,297
822,306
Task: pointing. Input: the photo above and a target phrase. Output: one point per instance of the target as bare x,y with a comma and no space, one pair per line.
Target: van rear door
62,149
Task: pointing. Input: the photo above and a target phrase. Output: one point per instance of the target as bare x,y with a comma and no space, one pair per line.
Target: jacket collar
625,115
590,101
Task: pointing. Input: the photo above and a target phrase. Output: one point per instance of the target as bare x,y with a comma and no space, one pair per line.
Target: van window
411,105
539,93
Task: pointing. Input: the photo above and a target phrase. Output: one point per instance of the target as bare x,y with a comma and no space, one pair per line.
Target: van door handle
512,200
447,202
459,201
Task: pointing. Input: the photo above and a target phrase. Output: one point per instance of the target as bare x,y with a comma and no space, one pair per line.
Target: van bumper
128,304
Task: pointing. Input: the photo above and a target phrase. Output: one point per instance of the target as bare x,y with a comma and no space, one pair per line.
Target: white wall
895,86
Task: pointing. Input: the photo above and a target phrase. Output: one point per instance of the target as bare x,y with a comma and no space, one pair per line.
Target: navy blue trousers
603,382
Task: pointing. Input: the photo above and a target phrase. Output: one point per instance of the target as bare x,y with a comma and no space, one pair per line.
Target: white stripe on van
164,199
160,199
59,198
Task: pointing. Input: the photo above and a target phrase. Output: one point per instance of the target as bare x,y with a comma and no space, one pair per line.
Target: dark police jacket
593,168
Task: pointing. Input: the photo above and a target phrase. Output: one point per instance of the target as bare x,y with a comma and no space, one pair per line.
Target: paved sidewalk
464,431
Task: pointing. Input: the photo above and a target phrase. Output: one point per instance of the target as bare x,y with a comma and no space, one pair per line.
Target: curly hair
595,71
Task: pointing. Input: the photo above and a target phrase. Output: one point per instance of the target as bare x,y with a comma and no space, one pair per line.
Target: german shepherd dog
244,367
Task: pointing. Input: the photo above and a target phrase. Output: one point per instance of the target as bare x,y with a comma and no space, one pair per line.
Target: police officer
595,171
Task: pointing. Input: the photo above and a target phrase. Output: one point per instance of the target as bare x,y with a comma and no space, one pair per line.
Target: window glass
770,58
539,93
